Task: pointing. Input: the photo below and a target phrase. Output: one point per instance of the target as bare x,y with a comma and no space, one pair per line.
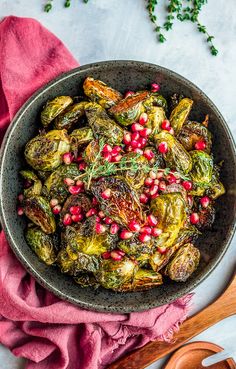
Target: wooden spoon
222,308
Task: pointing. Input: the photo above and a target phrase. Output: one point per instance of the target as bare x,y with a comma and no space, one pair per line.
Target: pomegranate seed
106,194
108,220
148,181
190,200
136,127
101,214
146,191
56,209
142,141
194,218
67,220
153,189
134,144
171,131
149,154
116,256
116,159
143,198
138,151
146,230
107,148
187,185
94,201
116,150
74,210
114,228
143,119
152,174
156,181
121,252
155,195
135,136
128,148
98,219
165,124
163,147
106,255
200,145
127,138
74,190
99,228
128,93
79,158
152,220
82,165
155,87
144,237
69,181
162,250
107,156
54,202
145,132
77,217
125,235
171,178
67,158
20,211
205,201
162,186
91,212
156,232
20,197
134,226
159,175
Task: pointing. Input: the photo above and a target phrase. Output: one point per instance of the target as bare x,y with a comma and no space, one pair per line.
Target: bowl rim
52,288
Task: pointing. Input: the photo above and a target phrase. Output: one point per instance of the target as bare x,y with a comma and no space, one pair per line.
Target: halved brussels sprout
176,187
70,116
36,187
202,169
100,93
80,262
123,204
53,108
81,200
114,274
180,114
128,110
38,210
184,263
91,152
156,115
154,99
102,125
42,244
136,174
44,152
191,133
216,188
176,157
143,280
80,137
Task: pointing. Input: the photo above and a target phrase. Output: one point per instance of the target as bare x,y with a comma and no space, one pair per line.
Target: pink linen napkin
34,323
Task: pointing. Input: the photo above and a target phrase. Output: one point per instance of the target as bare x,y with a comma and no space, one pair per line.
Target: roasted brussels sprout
183,264
42,244
100,93
176,187
86,280
38,210
70,116
143,280
180,114
129,109
123,205
202,168
81,200
102,125
138,250
176,157
216,188
156,116
116,274
206,218
80,137
154,99
91,152
44,152
191,133
135,175
53,108
36,187
76,263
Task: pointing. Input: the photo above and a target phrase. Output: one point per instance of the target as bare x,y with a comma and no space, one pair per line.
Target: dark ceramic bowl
122,75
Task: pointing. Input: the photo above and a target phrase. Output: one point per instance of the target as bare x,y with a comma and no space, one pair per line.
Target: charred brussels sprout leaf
100,93
92,152
123,205
38,210
176,157
191,133
206,218
202,169
183,264
102,125
44,152
135,175
70,116
36,187
180,114
143,280
129,109
80,137
42,244
156,116
53,108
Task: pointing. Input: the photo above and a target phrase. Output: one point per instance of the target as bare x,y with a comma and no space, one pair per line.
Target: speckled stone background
111,29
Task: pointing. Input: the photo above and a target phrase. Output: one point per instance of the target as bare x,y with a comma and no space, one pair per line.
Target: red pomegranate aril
153,189
152,174
98,219
127,138
106,194
152,220
190,200
143,119
69,181
162,186
108,220
165,124
171,131
146,191
116,256
145,132
205,201
128,93
155,87
125,235
194,218
148,154
20,197
135,136
136,127
67,158
79,158
99,228
74,210
106,255
159,175
134,144
91,212
134,226
107,156
114,228
79,183
143,237
94,201
82,165
53,202
116,150
156,232
162,147
171,178
156,181
56,209
154,196
20,211
129,148
121,252
143,198
138,151
77,218
200,145
148,181
101,214
142,141
187,185
107,148
116,159
75,190
67,220
146,230
162,250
